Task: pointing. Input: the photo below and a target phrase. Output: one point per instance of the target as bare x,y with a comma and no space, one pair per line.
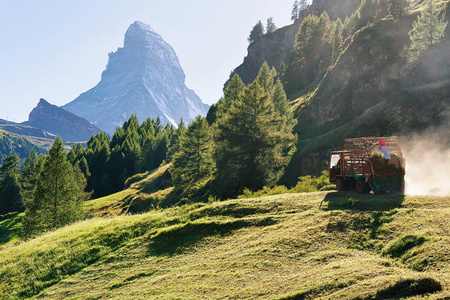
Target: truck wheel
340,184
362,187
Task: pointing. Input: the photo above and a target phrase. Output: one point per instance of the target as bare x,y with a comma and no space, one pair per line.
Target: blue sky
58,49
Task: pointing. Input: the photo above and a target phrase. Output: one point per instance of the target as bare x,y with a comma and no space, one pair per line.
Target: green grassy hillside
295,246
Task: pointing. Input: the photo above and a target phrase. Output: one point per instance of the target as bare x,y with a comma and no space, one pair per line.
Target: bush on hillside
305,184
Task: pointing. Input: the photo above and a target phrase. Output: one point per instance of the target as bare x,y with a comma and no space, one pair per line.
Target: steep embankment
276,47
373,90
293,246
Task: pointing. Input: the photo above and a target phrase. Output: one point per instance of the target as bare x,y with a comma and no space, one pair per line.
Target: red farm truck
368,164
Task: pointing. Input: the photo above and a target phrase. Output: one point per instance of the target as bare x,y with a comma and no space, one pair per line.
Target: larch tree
295,11
265,78
231,93
397,8
270,27
10,188
428,29
257,31
57,200
194,159
250,143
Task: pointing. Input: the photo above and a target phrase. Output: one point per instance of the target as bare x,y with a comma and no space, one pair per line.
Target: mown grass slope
295,246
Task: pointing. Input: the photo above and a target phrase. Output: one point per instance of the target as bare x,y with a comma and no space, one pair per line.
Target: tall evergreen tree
281,105
397,8
306,55
175,141
270,27
250,143
303,4
30,172
295,11
211,116
428,29
231,93
56,200
257,31
265,78
194,160
10,188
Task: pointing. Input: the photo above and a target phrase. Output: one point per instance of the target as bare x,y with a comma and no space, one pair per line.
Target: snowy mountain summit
143,78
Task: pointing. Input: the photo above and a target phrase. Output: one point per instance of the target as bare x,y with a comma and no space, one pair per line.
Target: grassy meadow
326,245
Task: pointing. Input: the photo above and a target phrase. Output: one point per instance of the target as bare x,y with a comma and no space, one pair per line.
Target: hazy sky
58,49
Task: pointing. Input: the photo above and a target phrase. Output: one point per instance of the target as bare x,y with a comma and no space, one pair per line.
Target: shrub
306,184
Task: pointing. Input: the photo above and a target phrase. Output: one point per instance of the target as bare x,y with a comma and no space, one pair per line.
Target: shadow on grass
408,288
360,202
9,228
179,238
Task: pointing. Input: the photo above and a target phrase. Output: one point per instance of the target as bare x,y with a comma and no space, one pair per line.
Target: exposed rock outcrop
277,46
53,119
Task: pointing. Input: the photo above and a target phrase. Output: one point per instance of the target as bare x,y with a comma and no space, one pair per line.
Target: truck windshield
334,160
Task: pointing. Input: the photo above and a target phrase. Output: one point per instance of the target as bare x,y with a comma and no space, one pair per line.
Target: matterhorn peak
141,34
144,78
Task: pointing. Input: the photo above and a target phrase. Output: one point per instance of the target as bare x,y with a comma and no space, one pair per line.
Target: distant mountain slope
69,127
25,130
11,144
143,78
36,136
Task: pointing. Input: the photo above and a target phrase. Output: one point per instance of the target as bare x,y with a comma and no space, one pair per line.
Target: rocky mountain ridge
142,78
53,119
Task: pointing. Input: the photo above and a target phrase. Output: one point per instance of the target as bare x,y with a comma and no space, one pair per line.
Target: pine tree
175,141
257,31
194,160
250,143
10,188
295,11
211,116
303,4
30,172
56,200
305,58
231,93
265,78
428,29
281,105
97,155
397,8
270,26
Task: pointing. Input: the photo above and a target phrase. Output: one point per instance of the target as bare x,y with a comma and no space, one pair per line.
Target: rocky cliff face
374,90
277,46
143,78
53,119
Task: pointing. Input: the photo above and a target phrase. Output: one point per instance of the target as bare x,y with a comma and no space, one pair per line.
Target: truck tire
340,184
362,187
